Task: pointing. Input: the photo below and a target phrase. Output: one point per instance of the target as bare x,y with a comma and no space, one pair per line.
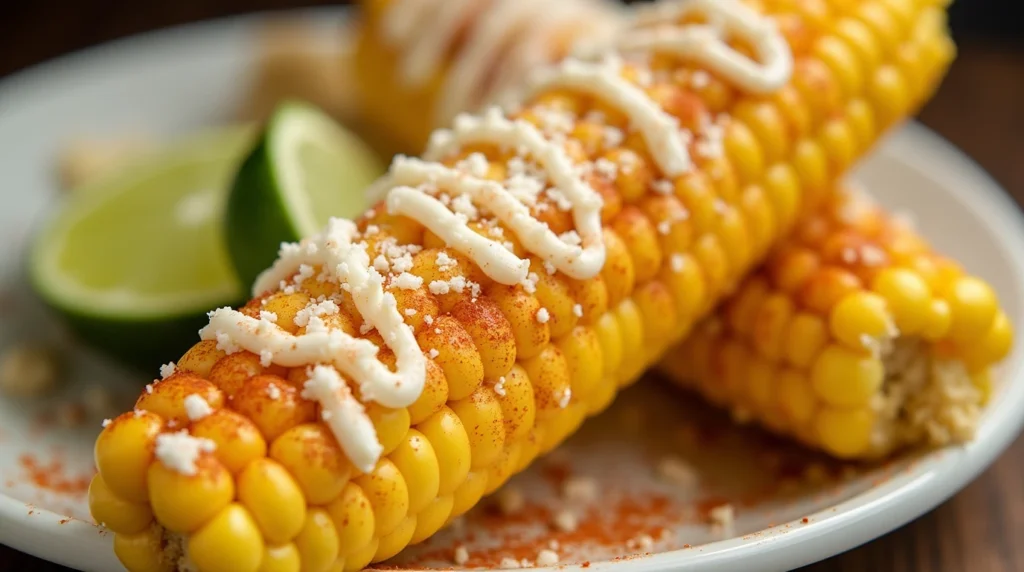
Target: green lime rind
133,260
303,169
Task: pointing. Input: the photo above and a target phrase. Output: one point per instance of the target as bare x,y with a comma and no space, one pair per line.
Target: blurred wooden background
980,108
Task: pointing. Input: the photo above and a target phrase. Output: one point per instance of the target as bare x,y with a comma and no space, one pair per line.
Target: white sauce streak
511,36
345,261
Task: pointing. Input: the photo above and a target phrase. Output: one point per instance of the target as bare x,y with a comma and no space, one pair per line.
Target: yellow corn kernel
274,500
632,328
200,358
554,295
517,402
861,119
993,347
844,377
761,221
317,542
388,494
433,397
448,437
182,503
889,94
811,165
283,558
797,113
167,398
285,307
353,518
768,126
456,354
862,40
394,542
416,460
845,433
861,320
770,325
124,452
686,284
232,371
840,144
973,306
881,22
491,333
115,513
521,311
672,221
907,296
481,416
432,518
806,336
938,320
760,382
714,262
314,459
362,557
391,425
468,494
592,297
841,59
273,405
744,151
633,175
230,542
582,351
238,441
818,88
142,551
552,386
696,193
796,398
641,240
500,471
618,272
610,335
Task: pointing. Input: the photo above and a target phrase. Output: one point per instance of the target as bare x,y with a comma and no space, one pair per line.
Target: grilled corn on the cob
419,63
854,337
539,264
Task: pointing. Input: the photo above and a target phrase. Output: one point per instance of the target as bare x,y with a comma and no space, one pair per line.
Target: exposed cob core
855,337
509,285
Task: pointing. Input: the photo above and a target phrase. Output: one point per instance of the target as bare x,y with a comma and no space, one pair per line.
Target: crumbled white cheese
547,558
410,312
511,500
509,563
433,353
167,370
677,262
499,387
273,392
179,451
722,515
676,471
530,283
543,315
407,281
461,555
563,401
663,187
577,310
196,407
579,489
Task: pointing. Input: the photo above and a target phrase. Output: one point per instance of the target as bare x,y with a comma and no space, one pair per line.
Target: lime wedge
304,169
135,258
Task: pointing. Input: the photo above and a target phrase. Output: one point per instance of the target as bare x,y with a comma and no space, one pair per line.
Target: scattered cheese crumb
645,542
461,555
407,281
563,401
428,319
511,500
566,521
543,315
509,563
677,262
179,451
410,311
499,387
438,287
196,407
663,186
722,515
676,471
273,392
700,79
579,489
530,282
577,310
433,353
167,370
106,423
547,558
549,267
664,227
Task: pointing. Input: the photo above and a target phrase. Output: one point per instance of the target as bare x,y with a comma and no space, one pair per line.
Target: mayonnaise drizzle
707,45
407,189
512,36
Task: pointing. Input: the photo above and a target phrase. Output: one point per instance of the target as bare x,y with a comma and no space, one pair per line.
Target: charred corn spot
314,459
273,499
238,441
283,558
182,503
167,398
317,542
124,453
229,542
121,516
448,437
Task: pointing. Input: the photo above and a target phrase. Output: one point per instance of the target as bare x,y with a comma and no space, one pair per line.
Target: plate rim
841,527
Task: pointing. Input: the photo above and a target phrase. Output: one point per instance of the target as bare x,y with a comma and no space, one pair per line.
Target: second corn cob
855,337
524,324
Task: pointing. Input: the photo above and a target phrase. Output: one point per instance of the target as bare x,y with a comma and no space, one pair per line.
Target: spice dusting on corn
342,428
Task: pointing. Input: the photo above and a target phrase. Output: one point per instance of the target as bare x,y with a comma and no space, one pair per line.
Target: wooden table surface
980,108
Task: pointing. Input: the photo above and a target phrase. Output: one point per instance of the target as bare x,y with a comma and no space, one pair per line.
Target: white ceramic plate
792,509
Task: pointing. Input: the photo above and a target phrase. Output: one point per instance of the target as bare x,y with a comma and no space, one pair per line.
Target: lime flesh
135,259
304,169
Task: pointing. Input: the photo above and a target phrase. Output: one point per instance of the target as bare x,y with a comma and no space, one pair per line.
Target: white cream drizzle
493,28
580,255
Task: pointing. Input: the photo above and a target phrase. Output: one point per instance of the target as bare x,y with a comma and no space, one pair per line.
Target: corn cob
234,461
420,63
854,337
